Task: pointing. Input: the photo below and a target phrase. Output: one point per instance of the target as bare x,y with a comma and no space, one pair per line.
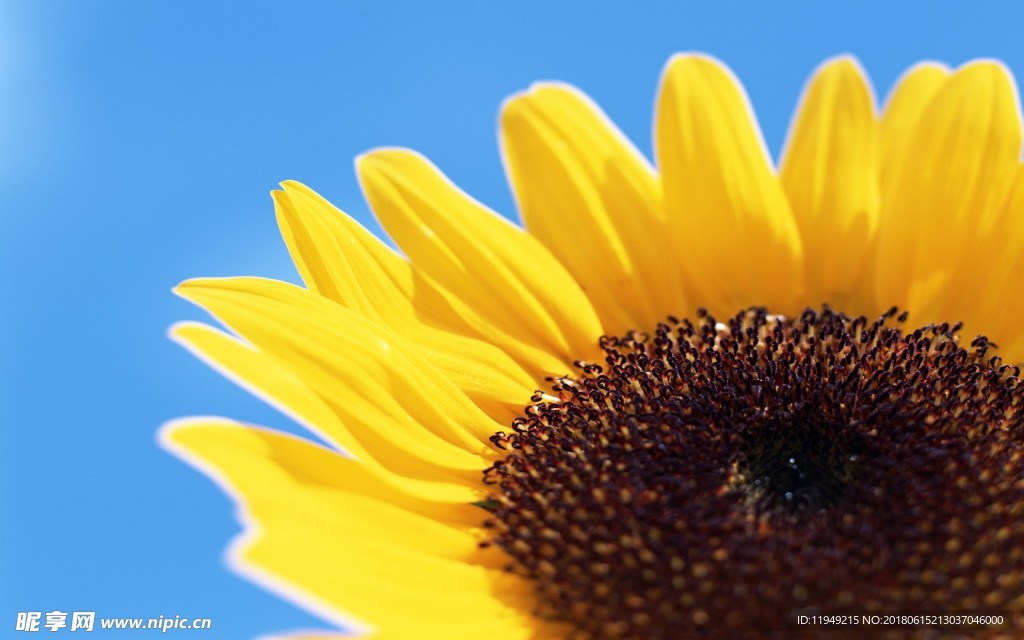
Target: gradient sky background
138,144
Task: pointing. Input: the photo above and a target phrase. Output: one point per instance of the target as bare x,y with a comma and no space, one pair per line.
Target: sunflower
682,402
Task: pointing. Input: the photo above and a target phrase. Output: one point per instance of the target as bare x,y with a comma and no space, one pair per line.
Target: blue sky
138,144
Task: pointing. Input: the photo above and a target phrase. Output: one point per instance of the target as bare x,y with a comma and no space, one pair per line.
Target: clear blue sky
138,144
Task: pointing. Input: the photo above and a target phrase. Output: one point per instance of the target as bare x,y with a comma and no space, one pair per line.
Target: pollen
709,478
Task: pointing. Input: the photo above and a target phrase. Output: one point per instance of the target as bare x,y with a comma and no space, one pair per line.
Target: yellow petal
829,171
586,192
729,217
342,261
320,468
261,375
393,401
947,189
273,382
486,374
503,278
995,273
913,92
379,583
363,559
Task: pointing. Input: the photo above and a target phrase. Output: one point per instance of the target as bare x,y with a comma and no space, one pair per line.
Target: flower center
712,478
806,465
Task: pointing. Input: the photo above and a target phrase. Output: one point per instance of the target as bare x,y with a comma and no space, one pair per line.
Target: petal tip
380,157
177,331
845,64
187,288
292,185
693,59
174,435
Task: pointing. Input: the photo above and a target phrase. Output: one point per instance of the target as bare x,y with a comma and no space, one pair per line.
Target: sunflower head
523,441
720,475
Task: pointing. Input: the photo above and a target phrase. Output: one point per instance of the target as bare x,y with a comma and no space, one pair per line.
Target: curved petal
342,261
996,273
262,376
395,403
506,284
271,380
586,192
364,559
908,100
726,210
829,171
947,189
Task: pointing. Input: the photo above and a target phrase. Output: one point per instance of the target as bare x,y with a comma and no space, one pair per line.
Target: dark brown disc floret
710,479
